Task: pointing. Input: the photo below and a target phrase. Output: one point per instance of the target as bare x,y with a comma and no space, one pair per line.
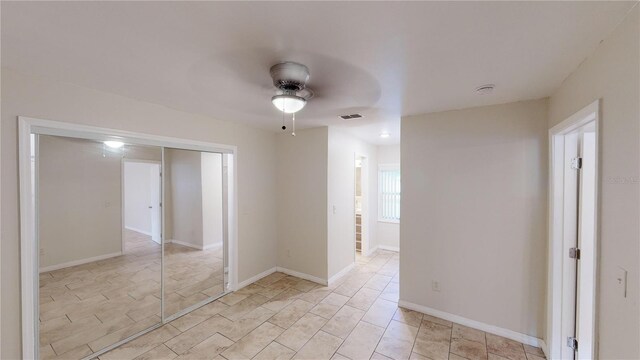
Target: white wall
342,151
474,213
137,196
388,234
42,98
211,171
184,211
80,203
302,202
612,74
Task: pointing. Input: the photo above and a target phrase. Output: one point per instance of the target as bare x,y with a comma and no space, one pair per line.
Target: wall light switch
621,281
334,209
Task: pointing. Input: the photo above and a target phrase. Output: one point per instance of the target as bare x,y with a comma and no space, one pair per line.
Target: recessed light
114,144
384,134
485,89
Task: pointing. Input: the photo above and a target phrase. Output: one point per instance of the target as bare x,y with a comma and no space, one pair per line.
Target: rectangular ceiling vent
352,116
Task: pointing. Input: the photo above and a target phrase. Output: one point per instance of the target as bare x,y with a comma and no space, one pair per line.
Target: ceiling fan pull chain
293,125
283,127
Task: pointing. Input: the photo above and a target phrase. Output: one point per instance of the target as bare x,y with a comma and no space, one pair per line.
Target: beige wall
41,98
183,186
80,201
388,234
474,190
612,74
211,199
302,202
342,151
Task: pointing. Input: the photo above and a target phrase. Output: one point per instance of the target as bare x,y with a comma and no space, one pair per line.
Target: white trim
79,262
28,218
300,275
588,114
29,257
138,230
255,278
390,248
545,348
341,273
492,329
194,246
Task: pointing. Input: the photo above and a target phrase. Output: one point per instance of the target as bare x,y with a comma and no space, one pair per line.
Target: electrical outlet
288,253
41,252
435,285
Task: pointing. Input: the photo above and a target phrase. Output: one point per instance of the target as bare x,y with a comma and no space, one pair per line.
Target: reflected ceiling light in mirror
114,144
384,134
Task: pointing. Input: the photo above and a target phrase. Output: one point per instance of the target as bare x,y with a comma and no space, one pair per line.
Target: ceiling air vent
351,116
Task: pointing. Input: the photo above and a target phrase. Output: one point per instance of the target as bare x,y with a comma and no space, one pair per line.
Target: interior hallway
285,317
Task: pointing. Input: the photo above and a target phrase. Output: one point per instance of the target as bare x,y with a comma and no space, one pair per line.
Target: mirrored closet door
129,236
193,247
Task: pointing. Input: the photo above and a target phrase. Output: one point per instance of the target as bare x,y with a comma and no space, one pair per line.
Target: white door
585,308
570,236
154,206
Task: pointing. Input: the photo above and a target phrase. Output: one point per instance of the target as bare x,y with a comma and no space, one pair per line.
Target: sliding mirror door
194,261
98,234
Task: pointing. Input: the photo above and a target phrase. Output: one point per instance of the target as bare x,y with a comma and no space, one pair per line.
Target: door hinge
572,343
576,163
574,253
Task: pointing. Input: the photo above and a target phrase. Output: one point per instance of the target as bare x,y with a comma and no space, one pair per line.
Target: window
389,193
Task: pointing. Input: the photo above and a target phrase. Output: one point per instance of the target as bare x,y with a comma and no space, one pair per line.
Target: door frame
555,306
122,166
29,254
364,216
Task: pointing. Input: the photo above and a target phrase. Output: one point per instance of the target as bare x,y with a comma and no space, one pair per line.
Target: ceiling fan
290,79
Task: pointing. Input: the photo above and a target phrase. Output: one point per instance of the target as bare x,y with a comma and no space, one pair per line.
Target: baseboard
255,278
341,273
545,348
79,262
509,334
302,275
390,248
371,251
212,246
148,233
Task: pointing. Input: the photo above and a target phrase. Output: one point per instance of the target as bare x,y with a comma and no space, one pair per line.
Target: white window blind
389,193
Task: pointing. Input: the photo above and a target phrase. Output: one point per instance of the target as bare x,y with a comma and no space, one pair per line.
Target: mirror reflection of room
100,276
194,262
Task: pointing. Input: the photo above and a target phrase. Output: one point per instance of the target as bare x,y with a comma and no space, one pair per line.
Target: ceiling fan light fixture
288,103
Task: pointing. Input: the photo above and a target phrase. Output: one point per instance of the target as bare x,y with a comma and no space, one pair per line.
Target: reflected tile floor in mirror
284,317
88,307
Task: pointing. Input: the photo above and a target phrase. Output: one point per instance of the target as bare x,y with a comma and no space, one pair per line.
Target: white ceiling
381,59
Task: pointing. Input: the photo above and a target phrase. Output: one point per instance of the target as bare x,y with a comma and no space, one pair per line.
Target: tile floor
88,307
284,317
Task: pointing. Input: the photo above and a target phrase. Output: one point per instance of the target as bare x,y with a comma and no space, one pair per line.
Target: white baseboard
194,246
255,278
79,262
545,348
509,334
341,273
302,275
212,246
371,251
390,248
138,230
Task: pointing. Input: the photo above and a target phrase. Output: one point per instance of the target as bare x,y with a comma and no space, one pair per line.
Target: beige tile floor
87,307
284,317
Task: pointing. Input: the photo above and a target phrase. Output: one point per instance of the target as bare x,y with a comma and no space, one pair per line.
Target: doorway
573,236
141,194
